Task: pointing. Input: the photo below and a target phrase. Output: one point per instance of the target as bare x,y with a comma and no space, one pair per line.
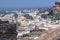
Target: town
32,24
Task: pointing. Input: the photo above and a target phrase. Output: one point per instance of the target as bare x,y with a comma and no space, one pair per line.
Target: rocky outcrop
7,31
53,34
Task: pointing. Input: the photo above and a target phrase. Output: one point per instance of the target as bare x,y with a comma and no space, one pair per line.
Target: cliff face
56,8
7,31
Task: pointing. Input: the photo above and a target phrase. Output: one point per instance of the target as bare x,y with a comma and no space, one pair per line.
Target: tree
57,16
28,16
44,16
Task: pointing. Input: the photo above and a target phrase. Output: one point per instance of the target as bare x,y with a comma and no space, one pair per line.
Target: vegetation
26,35
57,16
28,16
44,16
54,17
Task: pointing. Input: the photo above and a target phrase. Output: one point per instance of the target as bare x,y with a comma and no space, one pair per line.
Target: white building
8,17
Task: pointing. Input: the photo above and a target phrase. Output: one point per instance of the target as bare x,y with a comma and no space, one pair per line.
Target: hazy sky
25,3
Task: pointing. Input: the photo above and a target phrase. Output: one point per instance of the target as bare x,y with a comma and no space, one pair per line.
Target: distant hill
43,9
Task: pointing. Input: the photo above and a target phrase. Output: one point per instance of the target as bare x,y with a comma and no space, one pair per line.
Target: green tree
57,16
44,16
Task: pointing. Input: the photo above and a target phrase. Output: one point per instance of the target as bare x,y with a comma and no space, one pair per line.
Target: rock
7,31
53,34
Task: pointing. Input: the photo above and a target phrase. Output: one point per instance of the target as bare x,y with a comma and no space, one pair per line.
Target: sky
26,3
